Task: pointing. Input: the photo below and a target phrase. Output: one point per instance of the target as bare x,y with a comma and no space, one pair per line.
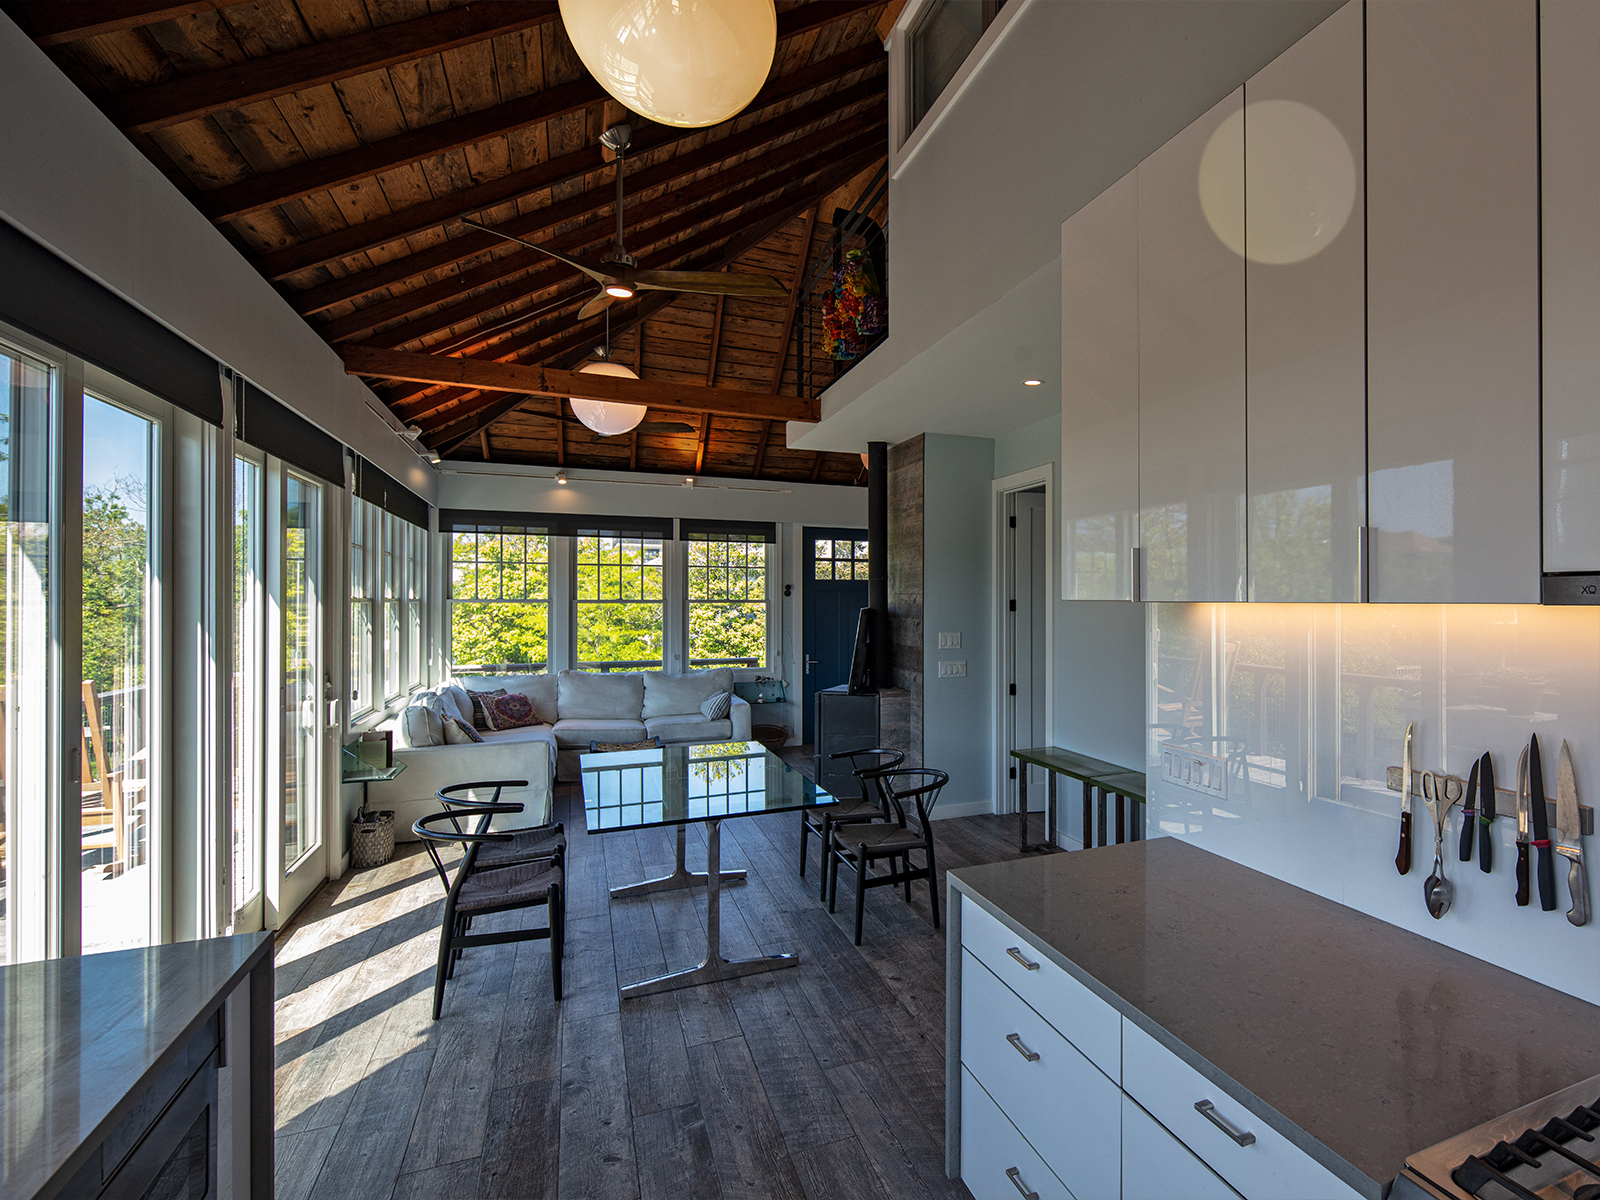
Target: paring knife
1402,860
1523,832
1486,814
1545,868
1469,810
1569,838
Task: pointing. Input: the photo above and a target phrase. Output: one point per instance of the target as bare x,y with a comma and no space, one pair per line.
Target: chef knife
1545,868
1469,810
1402,860
1569,838
1523,833
1486,814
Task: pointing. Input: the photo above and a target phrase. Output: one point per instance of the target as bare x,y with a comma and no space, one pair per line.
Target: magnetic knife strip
1509,812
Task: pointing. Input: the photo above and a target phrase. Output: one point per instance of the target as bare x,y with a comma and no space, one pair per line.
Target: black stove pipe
878,562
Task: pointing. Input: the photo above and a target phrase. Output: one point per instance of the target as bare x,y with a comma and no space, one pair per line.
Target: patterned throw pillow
509,711
458,733
716,707
480,719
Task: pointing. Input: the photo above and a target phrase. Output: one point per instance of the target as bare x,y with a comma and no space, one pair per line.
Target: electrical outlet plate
949,641
953,668
1205,773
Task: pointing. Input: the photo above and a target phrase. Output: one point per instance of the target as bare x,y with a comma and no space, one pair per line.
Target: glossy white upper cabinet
1100,394
1192,362
1570,80
1453,300
1305,312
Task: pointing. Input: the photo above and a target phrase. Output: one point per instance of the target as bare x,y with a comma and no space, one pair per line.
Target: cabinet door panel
995,1158
1306,317
1453,300
1157,1166
1100,394
1191,362
1569,31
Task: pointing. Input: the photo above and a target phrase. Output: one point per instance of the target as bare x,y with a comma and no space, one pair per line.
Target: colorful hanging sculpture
853,309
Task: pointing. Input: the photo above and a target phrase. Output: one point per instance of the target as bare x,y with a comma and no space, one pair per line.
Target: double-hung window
499,597
392,568
363,689
416,539
619,593
726,593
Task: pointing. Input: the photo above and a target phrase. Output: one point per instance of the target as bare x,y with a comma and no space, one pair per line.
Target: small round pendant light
688,63
608,418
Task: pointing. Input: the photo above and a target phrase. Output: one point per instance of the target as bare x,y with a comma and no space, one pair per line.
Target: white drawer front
1080,1016
996,1160
1156,1165
1269,1168
1066,1108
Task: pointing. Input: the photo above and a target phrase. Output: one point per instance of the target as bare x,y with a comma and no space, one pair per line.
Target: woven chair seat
506,887
544,842
885,838
845,810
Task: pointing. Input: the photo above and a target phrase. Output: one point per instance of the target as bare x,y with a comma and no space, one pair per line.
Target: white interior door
1028,600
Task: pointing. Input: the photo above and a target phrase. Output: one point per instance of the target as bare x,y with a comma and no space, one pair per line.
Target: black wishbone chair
859,846
477,891
526,844
867,766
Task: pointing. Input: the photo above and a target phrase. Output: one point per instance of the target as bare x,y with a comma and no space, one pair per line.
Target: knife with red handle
1545,867
1402,860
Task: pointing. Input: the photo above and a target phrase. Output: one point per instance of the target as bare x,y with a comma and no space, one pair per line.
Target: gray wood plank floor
819,1082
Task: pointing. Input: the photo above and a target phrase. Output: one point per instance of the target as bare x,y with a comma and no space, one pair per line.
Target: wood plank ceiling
337,142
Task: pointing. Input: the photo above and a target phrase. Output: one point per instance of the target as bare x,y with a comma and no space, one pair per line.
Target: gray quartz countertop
1359,1041
83,1036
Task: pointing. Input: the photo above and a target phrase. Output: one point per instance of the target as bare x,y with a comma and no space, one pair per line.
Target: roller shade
56,302
376,486
267,425
727,531
470,520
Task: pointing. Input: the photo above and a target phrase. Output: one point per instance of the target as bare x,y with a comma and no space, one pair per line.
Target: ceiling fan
618,273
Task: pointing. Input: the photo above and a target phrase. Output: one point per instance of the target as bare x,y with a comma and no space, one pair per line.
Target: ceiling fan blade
709,283
597,304
594,270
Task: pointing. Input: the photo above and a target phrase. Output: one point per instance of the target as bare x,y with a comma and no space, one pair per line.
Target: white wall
74,183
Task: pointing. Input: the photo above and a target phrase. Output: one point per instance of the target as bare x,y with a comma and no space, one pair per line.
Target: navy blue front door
833,591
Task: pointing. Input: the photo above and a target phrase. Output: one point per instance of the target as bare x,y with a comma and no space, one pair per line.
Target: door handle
811,662
1209,1111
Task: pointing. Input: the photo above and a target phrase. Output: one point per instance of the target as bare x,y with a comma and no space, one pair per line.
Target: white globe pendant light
608,418
688,63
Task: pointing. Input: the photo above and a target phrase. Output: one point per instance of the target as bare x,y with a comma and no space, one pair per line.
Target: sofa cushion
511,711
456,695
540,689
458,733
420,726
716,708
578,732
676,695
589,695
689,728
480,718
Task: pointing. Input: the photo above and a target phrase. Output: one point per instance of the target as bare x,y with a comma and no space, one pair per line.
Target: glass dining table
694,784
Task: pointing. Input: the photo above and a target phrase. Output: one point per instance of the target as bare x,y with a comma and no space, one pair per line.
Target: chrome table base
681,877
713,967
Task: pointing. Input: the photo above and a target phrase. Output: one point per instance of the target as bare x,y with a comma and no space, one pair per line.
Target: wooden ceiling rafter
57,24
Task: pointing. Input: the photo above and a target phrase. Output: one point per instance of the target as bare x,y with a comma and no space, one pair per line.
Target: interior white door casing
1569,35
1030,591
1305,313
1100,395
1453,300
1192,362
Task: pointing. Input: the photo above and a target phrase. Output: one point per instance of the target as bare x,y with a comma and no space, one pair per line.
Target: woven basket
770,736
372,840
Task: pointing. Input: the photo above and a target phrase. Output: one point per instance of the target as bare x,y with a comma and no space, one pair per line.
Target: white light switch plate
949,641
953,668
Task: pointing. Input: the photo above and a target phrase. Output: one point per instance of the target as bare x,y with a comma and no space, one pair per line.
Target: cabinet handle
1016,953
1208,1110
1031,1055
1016,1181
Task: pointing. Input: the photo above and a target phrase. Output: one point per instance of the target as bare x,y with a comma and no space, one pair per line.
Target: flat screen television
861,680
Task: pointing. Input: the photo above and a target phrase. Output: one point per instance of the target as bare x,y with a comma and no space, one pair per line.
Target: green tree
116,556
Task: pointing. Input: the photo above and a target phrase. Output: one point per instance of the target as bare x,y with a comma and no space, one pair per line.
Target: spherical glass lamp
688,63
608,418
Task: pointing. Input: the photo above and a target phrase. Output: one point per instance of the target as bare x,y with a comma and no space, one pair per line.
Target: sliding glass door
248,778
300,605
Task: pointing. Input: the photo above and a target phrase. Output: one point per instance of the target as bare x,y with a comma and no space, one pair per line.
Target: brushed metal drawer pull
1032,1056
1016,953
1016,1180
1208,1110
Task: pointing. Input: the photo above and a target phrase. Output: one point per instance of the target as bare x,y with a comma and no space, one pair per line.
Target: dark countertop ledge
83,1035
1358,1041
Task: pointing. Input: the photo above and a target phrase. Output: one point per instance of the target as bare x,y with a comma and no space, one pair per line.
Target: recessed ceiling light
1032,382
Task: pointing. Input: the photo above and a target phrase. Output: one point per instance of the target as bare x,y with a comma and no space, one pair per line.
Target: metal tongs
1439,793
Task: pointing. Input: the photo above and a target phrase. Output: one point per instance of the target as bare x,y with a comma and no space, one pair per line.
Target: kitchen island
1151,1019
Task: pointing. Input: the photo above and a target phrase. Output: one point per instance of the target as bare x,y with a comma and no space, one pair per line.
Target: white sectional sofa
573,709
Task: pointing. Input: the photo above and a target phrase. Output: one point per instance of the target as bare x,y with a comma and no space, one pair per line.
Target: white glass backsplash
1271,728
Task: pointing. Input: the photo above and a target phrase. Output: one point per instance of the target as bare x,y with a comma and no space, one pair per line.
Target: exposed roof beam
705,439
192,96
716,344
53,24
418,217
547,381
761,450
598,202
